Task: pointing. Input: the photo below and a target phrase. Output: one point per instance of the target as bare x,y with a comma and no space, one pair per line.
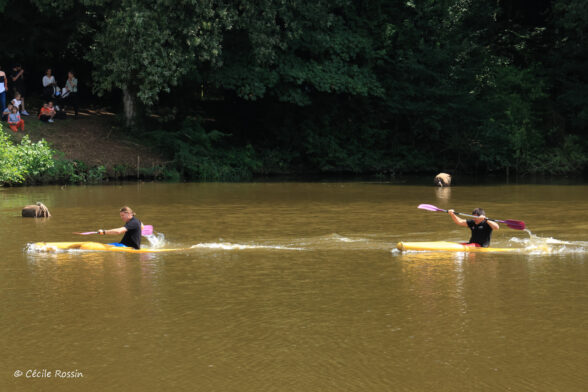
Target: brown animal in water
442,179
38,210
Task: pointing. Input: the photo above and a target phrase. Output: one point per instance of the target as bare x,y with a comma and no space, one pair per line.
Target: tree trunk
132,109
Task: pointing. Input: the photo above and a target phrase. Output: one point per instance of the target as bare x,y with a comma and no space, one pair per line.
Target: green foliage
334,87
65,171
23,162
199,155
149,47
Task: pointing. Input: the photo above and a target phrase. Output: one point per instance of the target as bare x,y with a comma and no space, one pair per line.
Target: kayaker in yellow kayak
131,229
480,226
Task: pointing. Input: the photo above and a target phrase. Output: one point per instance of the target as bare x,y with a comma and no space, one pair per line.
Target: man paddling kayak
131,229
480,226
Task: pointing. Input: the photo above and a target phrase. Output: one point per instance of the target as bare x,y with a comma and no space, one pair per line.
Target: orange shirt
46,111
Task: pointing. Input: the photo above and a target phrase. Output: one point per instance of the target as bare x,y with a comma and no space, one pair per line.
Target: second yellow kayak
446,246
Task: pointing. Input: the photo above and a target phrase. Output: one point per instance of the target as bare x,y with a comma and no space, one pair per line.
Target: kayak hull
445,246
91,246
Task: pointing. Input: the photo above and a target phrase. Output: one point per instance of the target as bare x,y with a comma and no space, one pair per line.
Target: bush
204,155
24,162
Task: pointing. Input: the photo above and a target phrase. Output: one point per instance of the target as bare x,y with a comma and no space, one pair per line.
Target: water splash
231,246
156,241
548,245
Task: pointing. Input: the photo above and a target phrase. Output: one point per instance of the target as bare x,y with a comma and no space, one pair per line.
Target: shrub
23,162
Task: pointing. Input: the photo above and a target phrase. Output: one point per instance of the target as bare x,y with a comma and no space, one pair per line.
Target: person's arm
18,75
492,224
120,230
456,219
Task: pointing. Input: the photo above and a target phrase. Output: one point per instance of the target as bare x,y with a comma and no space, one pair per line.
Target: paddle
147,230
513,224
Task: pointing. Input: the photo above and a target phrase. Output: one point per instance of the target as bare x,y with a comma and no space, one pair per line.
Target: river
295,287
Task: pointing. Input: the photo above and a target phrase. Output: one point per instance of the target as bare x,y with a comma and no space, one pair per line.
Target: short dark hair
479,212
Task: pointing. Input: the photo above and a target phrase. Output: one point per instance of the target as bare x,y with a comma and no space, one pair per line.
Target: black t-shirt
132,237
18,83
481,233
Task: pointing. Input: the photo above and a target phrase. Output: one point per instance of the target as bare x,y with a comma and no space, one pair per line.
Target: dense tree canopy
354,86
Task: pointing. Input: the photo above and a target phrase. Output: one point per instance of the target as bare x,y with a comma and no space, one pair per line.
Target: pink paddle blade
147,230
429,207
514,224
87,233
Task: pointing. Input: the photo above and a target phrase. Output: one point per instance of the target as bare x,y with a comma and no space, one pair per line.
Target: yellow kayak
92,246
445,246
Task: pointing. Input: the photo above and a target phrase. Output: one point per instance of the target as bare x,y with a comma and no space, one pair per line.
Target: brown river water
295,287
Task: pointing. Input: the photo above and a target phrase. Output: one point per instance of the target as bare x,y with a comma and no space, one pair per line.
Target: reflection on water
295,287
443,194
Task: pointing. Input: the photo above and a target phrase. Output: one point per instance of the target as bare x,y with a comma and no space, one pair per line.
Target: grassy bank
89,149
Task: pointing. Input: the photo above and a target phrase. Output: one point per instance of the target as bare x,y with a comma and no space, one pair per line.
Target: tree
145,48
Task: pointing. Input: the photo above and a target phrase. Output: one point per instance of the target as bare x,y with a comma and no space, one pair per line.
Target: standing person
131,229
17,77
71,91
49,84
480,226
18,85
14,121
3,89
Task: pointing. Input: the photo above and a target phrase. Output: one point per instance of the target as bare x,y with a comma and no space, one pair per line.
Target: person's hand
451,211
101,232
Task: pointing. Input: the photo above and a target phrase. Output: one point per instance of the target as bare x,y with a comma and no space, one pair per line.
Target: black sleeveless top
481,233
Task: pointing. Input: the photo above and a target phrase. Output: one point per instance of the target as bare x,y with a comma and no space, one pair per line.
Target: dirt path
94,138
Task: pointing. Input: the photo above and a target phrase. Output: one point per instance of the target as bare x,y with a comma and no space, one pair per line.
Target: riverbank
94,139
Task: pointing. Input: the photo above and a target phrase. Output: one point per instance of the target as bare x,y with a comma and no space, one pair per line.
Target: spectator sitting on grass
14,121
18,102
6,112
47,112
49,85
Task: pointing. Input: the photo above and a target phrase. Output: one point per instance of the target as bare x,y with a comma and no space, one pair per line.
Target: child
18,101
14,121
6,112
47,112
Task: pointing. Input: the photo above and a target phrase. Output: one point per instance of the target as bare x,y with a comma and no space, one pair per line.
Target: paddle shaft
146,231
513,224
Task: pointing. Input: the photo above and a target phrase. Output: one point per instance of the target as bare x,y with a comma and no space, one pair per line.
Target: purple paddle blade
429,207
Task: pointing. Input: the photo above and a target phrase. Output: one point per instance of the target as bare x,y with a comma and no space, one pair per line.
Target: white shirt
48,80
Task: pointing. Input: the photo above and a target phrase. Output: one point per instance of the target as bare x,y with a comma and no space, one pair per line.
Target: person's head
479,212
14,109
10,106
17,95
48,72
50,104
126,213
71,75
